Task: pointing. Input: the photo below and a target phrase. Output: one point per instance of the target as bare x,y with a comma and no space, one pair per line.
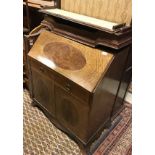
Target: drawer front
41,68
73,89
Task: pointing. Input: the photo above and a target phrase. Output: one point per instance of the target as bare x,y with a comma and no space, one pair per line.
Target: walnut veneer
75,85
92,61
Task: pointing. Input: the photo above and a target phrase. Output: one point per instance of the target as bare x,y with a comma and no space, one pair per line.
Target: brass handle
68,87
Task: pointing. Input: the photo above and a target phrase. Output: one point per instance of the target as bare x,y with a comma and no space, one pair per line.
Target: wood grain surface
74,59
119,11
97,61
38,3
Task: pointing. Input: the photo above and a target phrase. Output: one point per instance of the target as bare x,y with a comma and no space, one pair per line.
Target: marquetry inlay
64,56
81,64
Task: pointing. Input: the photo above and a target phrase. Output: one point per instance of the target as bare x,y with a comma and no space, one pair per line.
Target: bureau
75,85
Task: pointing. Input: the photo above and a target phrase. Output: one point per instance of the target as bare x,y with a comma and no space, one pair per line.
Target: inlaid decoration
64,56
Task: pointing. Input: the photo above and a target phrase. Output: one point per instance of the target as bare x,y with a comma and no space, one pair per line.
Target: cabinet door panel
43,90
72,113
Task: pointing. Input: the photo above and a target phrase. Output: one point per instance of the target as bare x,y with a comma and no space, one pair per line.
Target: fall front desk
76,86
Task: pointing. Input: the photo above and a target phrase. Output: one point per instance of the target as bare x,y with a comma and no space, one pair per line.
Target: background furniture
31,19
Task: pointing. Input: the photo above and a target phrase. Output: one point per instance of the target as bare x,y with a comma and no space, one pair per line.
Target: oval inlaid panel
64,56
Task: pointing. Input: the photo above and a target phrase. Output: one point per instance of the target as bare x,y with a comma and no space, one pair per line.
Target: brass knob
68,87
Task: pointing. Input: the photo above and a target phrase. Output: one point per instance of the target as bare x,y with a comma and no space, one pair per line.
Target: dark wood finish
27,45
72,88
31,16
72,113
87,34
80,88
125,80
35,17
28,41
79,102
25,84
58,3
43,89
27,18
104,96
88,76
25,63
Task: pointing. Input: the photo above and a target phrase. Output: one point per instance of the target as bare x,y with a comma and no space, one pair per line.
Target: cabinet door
43,90
71,113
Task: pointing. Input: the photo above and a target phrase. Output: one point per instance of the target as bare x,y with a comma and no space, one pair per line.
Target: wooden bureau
75,85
